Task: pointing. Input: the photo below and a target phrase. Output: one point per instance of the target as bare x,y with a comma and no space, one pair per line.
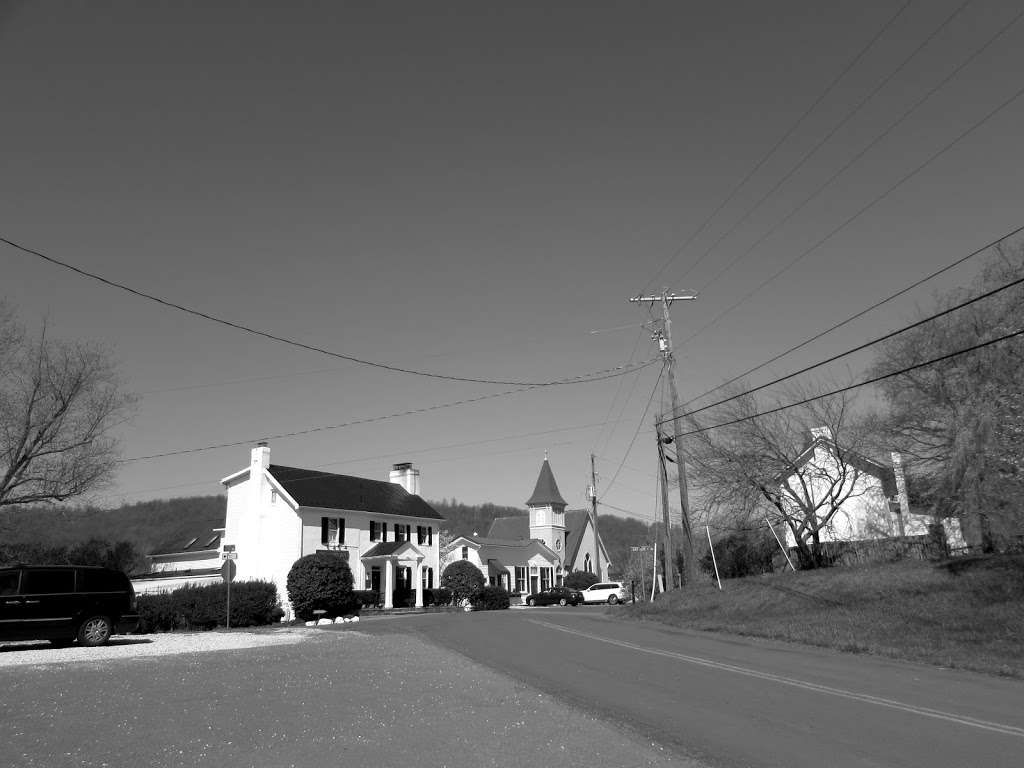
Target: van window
46,582
8,582
101,581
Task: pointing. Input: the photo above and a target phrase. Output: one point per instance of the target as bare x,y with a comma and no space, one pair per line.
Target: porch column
419,585
389,583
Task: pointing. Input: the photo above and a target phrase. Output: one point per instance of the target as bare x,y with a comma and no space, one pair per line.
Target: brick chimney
404,475
260,457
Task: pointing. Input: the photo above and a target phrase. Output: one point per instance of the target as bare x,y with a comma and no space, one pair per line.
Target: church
528,554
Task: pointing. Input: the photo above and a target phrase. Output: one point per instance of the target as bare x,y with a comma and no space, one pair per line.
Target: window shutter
323,530
373,530
383,531
408,533
341,530
430,535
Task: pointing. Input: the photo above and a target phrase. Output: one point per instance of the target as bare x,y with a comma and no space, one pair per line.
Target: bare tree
960,423
59,404
797,468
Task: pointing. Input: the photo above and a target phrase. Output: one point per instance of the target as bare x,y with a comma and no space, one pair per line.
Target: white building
871,496
386,533
529,553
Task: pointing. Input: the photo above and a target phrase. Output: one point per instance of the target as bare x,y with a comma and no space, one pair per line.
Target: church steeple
545,492
547,513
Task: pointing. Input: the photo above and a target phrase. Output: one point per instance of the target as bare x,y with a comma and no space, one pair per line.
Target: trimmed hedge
439,596
253,603
321,581
366,598
463,579
490,599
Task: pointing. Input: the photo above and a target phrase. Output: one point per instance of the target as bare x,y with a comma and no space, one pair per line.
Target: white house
192,558
384,530
529,553
874,502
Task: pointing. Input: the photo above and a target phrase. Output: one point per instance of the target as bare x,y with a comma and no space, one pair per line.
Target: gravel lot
290,698
36,653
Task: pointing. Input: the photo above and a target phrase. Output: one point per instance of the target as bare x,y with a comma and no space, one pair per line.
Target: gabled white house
874,502
384,530
528,553
190,559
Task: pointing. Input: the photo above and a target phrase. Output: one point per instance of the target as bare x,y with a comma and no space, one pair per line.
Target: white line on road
987,725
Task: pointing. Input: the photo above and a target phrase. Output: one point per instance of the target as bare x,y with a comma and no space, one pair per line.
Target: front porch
396,569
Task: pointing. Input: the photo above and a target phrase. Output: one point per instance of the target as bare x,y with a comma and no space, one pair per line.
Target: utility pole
664,339
593,517
666,552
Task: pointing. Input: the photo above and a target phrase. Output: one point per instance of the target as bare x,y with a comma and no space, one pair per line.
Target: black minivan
62,603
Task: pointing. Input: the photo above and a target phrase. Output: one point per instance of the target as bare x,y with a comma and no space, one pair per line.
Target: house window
374,532
545,578
421,534
465,553
428,578
520,578
332,532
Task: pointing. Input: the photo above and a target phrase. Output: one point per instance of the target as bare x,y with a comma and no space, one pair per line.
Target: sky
475,190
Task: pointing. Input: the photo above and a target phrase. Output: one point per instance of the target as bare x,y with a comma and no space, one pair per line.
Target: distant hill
152,525
147,525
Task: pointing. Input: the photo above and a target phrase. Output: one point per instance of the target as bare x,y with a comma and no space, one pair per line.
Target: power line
865,345
850,387
824,140
639,426
355,422
860,314
587,377
903,180
789,132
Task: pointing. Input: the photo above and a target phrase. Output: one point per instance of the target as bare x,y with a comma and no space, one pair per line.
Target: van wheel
613,600
94,631
561,601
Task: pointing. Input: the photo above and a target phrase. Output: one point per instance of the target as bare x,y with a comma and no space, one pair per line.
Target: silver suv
610,592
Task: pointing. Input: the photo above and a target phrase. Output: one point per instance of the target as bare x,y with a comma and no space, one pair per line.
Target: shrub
463,579
321,581
366,598
741,554
490,599
439,596
403,598
581,579
253,603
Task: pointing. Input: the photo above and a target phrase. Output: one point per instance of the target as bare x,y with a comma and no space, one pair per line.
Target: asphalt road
735,702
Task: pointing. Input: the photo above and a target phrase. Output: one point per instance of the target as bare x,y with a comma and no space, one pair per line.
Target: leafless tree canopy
59,404
960,423
757,468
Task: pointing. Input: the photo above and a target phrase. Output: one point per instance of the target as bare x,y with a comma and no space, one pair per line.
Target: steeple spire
545,492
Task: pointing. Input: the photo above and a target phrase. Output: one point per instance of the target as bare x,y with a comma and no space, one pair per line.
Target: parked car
64,603
560,595
610,592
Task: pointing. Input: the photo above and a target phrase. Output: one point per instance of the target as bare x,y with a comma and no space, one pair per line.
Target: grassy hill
966,612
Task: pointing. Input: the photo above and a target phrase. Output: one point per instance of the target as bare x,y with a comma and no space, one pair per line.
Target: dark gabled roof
546,490
384,548
195,536
517,527
493,541
575,523
313,488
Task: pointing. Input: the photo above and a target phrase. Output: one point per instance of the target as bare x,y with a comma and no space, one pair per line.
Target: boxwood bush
463,579
490,599
321,581
253,603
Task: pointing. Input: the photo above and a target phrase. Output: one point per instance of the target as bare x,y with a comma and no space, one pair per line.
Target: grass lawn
966,613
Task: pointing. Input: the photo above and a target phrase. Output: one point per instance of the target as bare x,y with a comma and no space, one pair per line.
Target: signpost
227,572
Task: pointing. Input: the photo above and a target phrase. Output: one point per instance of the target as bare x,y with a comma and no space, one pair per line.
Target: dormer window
191,542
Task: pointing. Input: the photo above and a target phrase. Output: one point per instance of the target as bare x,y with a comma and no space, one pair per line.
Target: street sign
641,549
230,555
227,571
